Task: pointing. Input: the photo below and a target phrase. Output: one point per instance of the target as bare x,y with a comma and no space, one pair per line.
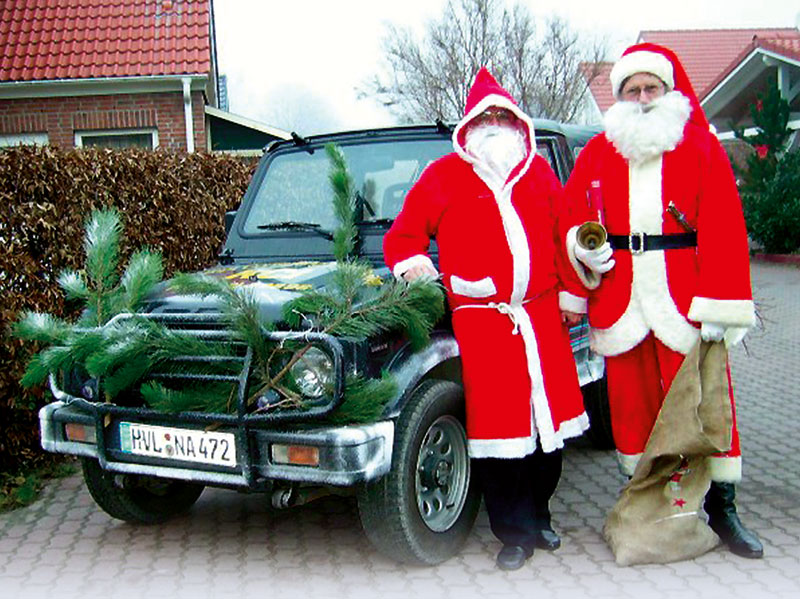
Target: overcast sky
295,64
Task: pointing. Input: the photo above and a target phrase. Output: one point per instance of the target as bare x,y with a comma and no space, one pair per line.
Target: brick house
728,68
113,73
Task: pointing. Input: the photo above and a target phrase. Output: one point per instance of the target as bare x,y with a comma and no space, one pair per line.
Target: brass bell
591,235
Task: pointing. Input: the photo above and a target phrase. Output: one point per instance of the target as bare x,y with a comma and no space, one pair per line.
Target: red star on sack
676,477
679,502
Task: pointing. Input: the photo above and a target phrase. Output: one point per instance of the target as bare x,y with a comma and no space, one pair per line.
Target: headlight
313,373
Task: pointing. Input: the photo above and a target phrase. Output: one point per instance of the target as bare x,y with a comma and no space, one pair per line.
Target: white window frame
79,135
9,140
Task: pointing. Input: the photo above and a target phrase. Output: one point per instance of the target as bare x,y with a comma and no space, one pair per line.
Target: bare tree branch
546,67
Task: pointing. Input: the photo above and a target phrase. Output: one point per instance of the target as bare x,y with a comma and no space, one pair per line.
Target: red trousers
638,381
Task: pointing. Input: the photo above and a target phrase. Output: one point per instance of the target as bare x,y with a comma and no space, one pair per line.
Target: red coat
497,254
666,291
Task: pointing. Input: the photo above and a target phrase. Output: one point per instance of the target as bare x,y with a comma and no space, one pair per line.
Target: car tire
138,499
422,511
595,400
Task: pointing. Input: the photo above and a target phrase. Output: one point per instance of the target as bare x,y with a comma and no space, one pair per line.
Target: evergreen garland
124,354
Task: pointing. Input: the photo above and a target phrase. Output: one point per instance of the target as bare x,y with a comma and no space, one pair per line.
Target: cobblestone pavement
232,544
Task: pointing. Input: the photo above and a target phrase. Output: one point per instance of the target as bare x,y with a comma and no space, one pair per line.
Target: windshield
295,189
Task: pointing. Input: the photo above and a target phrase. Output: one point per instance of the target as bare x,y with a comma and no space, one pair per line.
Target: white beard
497,147
641,132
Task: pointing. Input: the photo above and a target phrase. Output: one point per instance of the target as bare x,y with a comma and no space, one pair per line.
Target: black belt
642,242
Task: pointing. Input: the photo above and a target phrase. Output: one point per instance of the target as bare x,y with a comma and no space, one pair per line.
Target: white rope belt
502,307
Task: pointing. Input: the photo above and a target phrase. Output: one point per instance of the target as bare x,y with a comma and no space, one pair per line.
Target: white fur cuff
572,303
627,462
725,469
408,263
517,447
732,313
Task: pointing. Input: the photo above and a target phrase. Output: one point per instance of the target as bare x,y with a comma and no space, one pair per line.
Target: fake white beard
498,147
641,132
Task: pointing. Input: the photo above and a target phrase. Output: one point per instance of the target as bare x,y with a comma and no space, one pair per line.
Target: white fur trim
651,306
408,263
734,313
517,243
500,102
550,438
725,469
627,462
642,135
572,303
516,447
567,430
483,288
589,278
642,61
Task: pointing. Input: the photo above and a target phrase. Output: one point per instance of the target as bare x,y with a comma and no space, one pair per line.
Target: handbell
591,235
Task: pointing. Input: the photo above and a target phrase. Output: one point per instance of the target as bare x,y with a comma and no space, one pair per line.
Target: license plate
178,443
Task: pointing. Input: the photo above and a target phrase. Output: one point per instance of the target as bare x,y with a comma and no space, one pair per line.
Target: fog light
296,455
80,433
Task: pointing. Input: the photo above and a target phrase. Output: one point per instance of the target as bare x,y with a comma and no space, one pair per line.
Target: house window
23,139
122,138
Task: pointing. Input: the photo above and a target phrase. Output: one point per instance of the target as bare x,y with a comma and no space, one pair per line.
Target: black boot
722,518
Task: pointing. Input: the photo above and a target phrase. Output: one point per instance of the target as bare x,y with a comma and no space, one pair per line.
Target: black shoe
513,557
723,520
547,539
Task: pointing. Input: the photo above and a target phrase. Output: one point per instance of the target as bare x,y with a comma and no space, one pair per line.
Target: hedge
173,202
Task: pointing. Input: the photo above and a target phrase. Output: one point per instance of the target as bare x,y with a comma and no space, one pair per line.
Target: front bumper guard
348,454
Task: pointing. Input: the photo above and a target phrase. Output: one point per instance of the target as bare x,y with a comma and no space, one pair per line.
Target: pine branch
73,285
145,270
364,399
344,237
214,398
41,327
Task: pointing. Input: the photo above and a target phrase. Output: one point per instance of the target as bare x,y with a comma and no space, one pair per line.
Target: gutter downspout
187,113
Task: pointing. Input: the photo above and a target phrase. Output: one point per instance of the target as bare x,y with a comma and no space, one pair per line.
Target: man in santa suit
676,266
492,207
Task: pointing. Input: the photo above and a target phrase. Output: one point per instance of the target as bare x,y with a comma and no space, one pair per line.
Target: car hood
271,285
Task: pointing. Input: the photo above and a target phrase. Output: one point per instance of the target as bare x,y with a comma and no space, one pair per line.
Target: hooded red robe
498,257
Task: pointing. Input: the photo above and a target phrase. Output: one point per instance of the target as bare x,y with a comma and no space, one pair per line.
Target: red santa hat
486,92
664,64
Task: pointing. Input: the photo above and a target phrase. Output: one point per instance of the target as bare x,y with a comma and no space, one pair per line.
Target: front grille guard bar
242,420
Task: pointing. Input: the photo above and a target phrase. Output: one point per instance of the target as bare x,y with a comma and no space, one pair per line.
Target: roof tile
66,39
707,54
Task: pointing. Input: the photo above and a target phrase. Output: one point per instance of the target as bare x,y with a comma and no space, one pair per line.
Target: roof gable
46,40
708,53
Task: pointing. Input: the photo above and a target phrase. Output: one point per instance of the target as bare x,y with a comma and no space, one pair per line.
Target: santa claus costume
668,199
494,219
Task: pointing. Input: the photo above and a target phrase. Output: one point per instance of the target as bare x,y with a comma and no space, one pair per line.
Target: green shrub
773,212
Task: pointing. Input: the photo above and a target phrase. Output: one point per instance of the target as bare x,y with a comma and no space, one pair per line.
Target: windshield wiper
375,222
291,224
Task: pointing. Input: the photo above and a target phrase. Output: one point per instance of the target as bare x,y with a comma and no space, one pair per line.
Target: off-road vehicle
409,469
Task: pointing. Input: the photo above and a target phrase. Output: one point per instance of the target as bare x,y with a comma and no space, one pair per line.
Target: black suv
409,469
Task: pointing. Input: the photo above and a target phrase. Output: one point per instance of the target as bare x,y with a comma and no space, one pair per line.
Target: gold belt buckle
633,236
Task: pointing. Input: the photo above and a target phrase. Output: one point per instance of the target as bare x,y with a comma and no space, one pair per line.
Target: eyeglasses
651,91
497,115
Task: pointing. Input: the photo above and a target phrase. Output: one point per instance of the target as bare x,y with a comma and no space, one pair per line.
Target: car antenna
301,141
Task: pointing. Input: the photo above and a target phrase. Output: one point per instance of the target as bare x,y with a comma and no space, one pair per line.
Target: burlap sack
656,519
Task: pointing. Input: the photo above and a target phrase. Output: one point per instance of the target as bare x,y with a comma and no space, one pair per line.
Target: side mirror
229,216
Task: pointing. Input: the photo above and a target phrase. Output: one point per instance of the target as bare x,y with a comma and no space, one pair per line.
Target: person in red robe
676,266
492,206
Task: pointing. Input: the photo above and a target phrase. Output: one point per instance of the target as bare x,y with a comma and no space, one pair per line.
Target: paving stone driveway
233,544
